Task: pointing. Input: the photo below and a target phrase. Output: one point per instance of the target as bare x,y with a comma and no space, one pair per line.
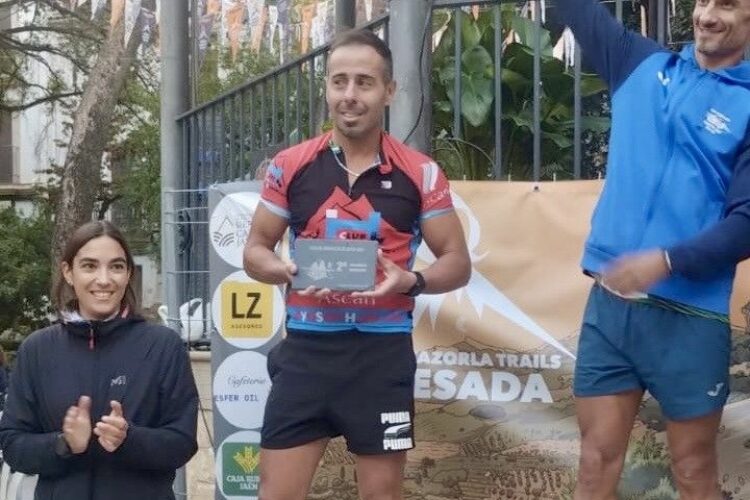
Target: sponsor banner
246,313
247,318
240,389
230,225
238,466
495,415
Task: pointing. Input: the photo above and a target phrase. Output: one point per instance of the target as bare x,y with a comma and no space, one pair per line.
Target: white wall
151,280
38,131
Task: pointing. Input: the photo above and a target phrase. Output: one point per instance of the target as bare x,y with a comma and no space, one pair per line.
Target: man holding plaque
670,227
357,203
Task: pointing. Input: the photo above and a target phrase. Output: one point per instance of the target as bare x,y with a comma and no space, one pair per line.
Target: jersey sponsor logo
716,122
119,380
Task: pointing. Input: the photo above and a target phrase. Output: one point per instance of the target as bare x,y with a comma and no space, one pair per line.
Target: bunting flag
205,28
330,24
254,9
259,29
308,15
565,48
213,7
283,8
224,30
528,10
318,28
132,11
149,28
235,16
96,6
323,29
273,20
118,9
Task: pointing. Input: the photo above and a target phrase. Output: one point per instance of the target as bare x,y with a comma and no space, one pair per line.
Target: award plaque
343,265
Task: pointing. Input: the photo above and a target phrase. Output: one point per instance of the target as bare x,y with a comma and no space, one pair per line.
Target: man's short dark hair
369,39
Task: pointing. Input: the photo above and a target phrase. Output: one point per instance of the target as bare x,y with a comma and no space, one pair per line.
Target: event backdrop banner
495,416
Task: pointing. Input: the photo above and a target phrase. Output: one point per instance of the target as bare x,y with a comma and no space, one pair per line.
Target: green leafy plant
25,269
471,155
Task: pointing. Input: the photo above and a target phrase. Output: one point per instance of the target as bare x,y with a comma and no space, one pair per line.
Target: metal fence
228,138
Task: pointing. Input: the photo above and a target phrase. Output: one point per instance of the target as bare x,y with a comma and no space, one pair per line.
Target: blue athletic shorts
681,359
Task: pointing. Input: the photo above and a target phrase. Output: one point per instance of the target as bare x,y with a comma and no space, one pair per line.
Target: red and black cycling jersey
308,185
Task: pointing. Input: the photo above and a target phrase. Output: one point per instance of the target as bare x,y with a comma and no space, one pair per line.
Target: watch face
418,287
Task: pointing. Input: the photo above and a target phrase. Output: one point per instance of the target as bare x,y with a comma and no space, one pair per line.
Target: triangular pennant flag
118,8
149,27
330,20
308,16
132,11
205,28
283,7
224,35
254,8
258,29
213,7
235,16
273,20
96,6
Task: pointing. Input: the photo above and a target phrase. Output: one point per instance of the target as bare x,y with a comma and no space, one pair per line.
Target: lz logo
253,305
246,309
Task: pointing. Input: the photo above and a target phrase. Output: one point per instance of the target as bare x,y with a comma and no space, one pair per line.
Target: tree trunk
91,133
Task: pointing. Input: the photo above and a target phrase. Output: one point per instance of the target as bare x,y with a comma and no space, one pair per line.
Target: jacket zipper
671,144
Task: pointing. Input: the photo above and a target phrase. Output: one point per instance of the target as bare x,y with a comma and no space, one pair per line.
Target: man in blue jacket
671,225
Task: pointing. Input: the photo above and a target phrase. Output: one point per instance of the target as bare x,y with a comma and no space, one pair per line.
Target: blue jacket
678,171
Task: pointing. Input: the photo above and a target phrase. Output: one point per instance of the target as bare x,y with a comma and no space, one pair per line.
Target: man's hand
112,429
636,272
77,425
397,280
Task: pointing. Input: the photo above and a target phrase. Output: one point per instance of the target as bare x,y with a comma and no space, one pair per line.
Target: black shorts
360,386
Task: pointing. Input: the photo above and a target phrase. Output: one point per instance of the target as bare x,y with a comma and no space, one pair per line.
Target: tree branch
35,102
52,29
